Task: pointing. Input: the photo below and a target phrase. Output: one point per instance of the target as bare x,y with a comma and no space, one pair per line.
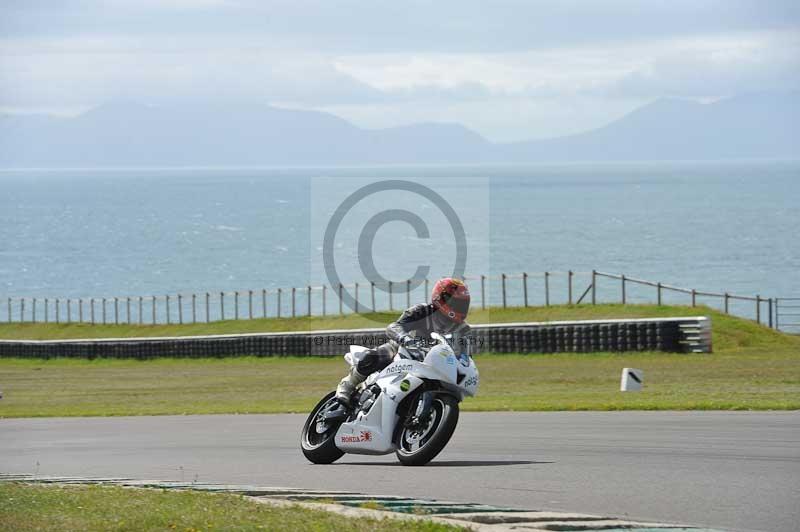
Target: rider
445,314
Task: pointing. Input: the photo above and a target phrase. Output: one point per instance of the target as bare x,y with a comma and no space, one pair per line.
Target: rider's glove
408,341
412,345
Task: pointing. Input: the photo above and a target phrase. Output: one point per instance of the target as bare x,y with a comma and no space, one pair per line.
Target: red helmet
451,298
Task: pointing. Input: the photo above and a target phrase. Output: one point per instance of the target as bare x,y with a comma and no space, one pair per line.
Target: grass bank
752,367
26,507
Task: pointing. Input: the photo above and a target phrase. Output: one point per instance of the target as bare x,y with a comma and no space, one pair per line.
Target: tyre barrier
678,335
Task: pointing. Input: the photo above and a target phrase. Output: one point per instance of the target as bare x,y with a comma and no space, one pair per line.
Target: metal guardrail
791,319
690,334
503,290
726,297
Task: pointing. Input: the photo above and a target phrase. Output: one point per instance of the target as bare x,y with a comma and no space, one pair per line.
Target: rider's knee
376,359
369,363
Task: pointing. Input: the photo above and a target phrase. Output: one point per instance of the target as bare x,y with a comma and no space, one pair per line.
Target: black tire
433,438
320,448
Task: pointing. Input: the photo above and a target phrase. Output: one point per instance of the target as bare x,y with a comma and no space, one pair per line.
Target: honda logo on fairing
363,437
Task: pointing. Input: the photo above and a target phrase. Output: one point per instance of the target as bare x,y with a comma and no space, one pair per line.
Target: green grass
47,331
26,507
752,367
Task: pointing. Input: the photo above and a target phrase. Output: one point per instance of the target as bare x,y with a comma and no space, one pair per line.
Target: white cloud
675,66
716,68
170,4
89,71
546,93
515,71
412,26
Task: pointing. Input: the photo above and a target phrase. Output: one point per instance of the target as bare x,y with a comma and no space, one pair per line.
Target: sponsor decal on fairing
365,436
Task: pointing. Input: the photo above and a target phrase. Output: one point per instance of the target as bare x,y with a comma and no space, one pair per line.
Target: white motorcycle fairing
373,432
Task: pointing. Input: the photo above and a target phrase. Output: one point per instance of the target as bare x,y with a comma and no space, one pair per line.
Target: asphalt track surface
725,470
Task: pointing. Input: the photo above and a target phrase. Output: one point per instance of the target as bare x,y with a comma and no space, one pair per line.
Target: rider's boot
348,384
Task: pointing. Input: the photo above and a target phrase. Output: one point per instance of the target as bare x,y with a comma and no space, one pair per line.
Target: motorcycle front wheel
418,444
318,437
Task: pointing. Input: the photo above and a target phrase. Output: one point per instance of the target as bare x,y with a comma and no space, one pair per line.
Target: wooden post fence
758,308
525,288
30,308
546,289
569,286
623,289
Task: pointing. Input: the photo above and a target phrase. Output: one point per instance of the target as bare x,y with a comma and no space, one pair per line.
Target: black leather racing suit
418,321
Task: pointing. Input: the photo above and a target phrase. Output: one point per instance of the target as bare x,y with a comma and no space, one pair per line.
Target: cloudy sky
507,69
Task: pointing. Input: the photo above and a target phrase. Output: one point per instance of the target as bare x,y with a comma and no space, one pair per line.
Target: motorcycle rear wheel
320,447
419,445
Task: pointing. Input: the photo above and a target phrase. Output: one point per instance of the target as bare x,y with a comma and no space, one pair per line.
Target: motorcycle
410,408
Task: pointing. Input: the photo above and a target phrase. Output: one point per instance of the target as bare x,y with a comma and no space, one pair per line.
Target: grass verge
752,367
27,507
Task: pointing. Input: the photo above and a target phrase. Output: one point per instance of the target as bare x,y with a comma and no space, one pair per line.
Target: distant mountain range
765,125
